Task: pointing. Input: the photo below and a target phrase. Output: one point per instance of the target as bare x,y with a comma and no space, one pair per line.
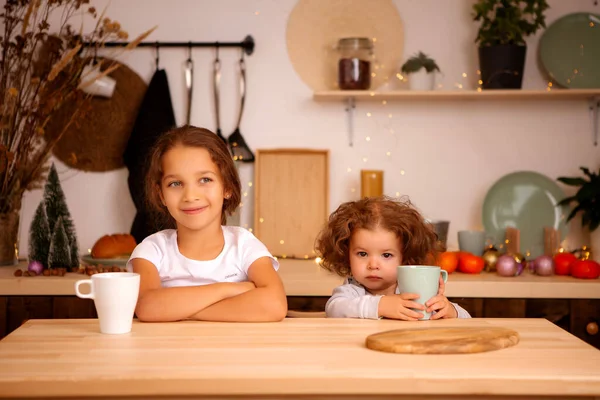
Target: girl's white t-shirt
241,249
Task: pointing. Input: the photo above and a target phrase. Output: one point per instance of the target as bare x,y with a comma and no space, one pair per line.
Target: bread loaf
114,246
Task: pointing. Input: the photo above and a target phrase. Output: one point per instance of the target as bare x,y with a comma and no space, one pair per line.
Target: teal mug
423,280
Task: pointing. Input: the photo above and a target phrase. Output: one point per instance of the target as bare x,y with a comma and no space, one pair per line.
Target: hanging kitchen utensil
189,82
237,145
216,84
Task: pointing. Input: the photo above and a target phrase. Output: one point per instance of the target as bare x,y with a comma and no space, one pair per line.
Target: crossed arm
262,299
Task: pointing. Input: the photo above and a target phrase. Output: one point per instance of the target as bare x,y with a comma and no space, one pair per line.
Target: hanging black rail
247,44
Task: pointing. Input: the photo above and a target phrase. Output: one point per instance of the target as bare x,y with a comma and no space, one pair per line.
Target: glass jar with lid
354,64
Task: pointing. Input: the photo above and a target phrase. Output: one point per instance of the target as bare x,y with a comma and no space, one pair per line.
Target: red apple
585,269
563,262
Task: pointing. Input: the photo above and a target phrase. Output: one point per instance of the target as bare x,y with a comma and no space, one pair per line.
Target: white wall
451,152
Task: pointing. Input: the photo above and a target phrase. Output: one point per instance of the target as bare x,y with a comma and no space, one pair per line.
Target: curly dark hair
191,136
418,240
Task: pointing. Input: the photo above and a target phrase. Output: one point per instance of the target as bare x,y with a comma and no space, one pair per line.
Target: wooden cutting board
443,340
291,199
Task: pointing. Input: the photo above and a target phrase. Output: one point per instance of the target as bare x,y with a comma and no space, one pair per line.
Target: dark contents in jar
354,74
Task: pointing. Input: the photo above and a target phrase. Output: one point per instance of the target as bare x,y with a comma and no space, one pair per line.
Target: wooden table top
295,357
306,278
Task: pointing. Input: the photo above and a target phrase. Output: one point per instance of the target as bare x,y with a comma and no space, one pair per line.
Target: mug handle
443,272
91,294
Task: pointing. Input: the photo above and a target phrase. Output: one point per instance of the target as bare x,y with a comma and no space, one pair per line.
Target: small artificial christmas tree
59,255
39,236
56,208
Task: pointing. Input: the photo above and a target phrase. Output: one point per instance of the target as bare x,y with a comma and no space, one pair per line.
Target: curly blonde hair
419,242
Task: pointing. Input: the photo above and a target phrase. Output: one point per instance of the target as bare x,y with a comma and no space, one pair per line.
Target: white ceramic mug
103,86
115,295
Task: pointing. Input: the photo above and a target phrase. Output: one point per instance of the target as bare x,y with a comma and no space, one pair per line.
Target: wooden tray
443,340
291,199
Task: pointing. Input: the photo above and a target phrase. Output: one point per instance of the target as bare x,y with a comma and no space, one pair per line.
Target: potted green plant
587,200
504,25
420,70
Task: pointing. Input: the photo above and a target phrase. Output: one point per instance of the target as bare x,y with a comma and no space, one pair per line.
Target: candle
371,183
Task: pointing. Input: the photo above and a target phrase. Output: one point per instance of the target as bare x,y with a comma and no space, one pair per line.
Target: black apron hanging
154,118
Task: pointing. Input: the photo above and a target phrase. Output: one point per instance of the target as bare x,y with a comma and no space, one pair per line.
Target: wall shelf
349,97
499,94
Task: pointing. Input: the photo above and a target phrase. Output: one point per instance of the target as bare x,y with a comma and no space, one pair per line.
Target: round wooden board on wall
315,26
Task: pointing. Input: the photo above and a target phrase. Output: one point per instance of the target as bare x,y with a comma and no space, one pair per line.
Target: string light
389,115
368,138
281,241
365,159
256,12
384,102
245,194
368,114
250,184
388,153
349,169
352,190
318,260
261,220
397,194
402,172
464,74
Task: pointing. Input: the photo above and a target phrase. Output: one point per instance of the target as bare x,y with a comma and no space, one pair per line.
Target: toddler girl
365,241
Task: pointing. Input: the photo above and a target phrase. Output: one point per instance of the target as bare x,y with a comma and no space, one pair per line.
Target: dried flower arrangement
40,71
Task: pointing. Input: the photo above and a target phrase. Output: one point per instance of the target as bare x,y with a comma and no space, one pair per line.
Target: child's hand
441,305
398,306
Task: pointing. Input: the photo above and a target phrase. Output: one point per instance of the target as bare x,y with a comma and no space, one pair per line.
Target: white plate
119,262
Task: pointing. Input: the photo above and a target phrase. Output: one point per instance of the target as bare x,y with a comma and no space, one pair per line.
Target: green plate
570,50
527,201
119,262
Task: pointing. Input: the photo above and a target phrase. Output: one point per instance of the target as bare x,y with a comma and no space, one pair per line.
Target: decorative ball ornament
506,265
490,257
544,265
36,267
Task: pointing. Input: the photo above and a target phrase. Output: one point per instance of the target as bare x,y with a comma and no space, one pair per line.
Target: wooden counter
306,278
296,357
